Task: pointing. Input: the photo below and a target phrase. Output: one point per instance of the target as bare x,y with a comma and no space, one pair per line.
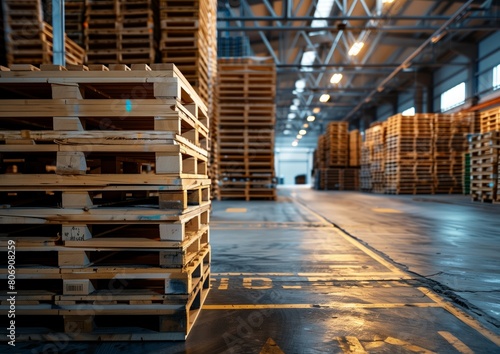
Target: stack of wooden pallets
188,38
29,38
484,157
354,148
490,120
111,177
365,178
246,117
450,143
119,31
74,12
375,137
338,166
409,154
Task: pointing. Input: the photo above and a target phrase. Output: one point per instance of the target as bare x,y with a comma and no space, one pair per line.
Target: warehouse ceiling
376,48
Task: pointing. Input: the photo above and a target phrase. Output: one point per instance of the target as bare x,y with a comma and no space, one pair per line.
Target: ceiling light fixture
292,115
335,79
356,48
316,110
286,132
387,1
295,143
299,136
311,118
305,125
324,98
302,132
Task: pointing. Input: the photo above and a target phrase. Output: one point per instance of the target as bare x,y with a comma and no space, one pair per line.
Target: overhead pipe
355,28
407,62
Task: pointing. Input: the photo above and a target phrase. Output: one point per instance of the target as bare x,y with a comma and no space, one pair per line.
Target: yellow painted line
358,245
292,287
351,344
236,210
387,210
456,343
224,283
329,305
256,274
462,316
373,255
408,346
271,348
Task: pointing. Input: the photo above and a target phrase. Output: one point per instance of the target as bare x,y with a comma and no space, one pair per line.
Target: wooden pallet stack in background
365,177
354,148
338,166
409,154
188,39
490,120
450,143
119,31
484,155
114,186
375,136
29,38
74,16
246,115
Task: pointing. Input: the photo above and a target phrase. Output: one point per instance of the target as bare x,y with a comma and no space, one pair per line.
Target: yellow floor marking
271,348
387,210
354,346
257,283
224,283
236,210
329,305
292,287
408,346
457,343
386,276
357,244
372,254
465,318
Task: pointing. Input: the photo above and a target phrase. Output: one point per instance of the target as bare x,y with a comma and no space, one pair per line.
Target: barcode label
74,288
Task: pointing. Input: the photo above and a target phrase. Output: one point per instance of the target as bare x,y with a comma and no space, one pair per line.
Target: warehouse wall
449,76
293,162
405,101
489,57
384,111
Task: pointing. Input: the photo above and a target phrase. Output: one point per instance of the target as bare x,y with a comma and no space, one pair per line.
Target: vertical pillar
59,57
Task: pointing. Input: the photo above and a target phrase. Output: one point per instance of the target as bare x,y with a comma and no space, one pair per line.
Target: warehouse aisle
284,280
448,238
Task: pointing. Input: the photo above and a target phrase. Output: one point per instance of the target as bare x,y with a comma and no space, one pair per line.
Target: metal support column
58,32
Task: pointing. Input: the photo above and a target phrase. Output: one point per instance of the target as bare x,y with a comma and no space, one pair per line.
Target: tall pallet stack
74,14
375,136
119,31
338,171
29,38
246,114
354,148
490,120
409,154
450,143
484,155
113,184
365,178
188,39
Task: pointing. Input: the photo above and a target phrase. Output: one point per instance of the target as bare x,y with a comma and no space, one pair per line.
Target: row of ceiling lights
323,10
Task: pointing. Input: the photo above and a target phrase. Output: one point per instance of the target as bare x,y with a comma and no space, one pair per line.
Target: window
453,97
409,112
496,77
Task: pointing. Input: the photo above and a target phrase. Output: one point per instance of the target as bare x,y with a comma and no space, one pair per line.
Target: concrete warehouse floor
343,272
